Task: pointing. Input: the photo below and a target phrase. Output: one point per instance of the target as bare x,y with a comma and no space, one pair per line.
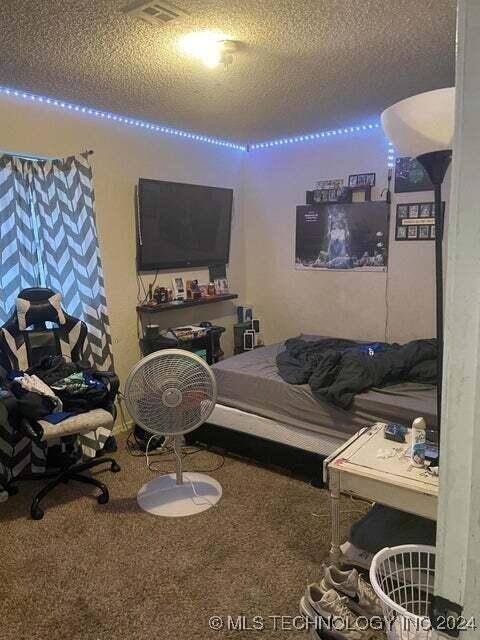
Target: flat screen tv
182,225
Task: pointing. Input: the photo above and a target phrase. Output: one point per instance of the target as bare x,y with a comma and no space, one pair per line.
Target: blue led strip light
163,129
315,136
125,120
390,156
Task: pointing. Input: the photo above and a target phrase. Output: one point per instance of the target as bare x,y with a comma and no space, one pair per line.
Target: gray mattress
250,382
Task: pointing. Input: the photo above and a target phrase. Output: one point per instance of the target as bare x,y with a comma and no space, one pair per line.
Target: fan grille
170,392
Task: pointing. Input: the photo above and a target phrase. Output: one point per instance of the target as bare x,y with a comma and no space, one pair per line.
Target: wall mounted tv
182,225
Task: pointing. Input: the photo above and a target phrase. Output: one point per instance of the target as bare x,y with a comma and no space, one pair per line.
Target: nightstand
355,469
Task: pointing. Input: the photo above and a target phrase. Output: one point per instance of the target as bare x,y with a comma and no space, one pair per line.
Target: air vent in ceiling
156,12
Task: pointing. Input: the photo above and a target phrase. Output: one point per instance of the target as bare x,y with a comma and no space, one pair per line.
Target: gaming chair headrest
39,305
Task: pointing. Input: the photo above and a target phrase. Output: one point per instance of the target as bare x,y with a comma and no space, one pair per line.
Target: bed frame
301,451
255,425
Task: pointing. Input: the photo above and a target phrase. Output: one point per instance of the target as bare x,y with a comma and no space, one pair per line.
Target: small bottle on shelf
418,442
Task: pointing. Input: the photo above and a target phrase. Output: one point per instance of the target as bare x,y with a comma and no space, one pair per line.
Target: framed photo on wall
335,183
342,237
411,176
361,180
337,194
361,194
416,221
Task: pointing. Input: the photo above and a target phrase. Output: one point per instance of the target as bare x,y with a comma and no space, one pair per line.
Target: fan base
164,497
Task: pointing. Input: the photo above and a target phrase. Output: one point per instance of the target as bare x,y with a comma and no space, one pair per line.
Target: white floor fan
170,393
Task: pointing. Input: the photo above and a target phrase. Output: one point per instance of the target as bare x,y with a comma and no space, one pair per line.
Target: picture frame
333,183
178,286
413,210
424,232
361,180
361,194
415,221
426,210
410,176
221,286
412,231
337,194
342,237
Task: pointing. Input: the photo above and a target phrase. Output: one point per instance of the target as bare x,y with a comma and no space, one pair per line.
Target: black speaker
152,331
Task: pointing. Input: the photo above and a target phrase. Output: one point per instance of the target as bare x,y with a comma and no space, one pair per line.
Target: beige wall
268,185
122,155
344,304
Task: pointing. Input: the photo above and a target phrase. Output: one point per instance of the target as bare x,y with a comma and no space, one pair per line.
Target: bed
253,399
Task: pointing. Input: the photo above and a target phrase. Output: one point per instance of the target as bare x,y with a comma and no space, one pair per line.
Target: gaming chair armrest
31,429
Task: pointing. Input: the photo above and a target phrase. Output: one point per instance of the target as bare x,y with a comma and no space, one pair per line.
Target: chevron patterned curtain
18,255
63,196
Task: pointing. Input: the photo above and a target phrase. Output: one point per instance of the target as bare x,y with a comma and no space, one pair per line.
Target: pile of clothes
56,389
338,369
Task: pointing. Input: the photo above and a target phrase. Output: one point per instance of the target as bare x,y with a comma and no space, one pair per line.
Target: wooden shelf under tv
172,306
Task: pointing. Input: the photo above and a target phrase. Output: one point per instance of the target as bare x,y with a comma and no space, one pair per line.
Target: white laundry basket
403,578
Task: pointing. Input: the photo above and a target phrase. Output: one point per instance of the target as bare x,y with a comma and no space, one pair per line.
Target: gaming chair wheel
37,513
103,498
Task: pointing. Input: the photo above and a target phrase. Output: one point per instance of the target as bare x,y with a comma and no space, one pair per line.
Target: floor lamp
422,127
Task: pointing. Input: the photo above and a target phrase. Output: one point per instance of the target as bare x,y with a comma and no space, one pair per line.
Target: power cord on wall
387,275
146,294
387,306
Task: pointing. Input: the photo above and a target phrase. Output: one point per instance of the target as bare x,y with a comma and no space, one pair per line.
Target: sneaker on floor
355,556
361,597
333,619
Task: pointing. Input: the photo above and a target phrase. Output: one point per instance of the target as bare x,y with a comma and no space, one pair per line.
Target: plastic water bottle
418,442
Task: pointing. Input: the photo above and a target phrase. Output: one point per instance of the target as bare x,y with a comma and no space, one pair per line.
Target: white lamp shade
422,123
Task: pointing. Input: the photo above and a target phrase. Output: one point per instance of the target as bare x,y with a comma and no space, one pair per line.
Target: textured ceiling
306,64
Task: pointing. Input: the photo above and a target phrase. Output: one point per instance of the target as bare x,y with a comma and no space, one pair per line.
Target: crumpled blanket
338,369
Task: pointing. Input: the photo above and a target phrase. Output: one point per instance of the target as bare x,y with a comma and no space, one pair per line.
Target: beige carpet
92,572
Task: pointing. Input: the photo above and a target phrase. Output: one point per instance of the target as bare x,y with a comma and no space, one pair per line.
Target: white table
354,469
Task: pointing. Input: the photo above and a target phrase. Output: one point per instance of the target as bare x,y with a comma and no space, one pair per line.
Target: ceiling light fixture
210,47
